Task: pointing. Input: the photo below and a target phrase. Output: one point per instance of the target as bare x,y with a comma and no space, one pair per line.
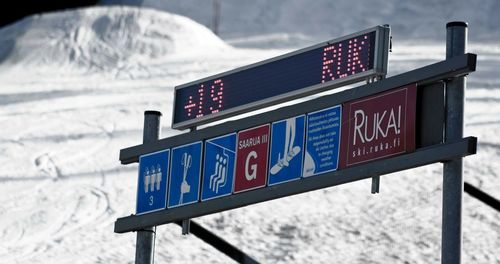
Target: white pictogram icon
158,177
152,178
219,178
146,180
186,163
289,151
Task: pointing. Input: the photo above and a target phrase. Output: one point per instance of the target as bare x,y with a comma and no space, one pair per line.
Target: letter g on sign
253,168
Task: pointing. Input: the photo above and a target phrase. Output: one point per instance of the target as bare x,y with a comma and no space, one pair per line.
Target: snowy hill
74,86
102,40
322,19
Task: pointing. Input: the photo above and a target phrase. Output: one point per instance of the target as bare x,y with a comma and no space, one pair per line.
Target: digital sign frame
314,69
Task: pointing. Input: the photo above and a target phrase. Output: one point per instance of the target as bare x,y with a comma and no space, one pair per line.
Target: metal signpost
453,182
381,127
146,235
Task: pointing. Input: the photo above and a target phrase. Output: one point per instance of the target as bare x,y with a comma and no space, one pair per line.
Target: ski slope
322,19
74,86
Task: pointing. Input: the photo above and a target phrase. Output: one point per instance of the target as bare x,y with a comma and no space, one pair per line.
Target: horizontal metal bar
219,243
423,156
443,70
482,196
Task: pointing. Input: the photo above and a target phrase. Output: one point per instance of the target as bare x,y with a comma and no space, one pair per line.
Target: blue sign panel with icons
218,171
322,141
152,182
287,148
184,184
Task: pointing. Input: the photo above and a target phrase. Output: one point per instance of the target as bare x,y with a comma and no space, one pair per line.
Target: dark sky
15,10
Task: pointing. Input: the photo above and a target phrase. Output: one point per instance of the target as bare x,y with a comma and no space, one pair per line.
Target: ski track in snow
63,187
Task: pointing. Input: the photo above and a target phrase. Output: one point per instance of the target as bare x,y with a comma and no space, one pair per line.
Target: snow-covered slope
414,20
64,118
117,41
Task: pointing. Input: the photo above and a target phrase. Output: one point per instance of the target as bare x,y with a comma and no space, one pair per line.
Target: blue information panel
152,182
218,172
184,185
322,141
287,148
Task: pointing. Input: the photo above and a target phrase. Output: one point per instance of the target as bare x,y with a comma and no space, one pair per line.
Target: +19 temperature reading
208,99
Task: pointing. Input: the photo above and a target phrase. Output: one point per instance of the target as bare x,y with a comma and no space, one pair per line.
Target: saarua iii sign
378,126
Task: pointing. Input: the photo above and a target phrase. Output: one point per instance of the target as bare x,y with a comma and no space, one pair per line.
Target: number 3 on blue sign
152,182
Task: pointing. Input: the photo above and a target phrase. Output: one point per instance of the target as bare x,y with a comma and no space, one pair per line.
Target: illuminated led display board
327,65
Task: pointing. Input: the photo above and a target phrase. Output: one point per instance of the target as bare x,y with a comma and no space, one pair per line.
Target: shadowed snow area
74,87
102,40
323,19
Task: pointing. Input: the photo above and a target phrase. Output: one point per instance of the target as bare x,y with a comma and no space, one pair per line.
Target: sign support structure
387,125
145,246
453,181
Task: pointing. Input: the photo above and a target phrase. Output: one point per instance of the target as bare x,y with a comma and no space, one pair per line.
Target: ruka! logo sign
379,126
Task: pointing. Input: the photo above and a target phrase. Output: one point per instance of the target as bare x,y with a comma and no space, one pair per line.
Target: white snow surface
74,86
322,19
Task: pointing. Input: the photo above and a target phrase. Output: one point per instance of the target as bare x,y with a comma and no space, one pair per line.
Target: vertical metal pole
216,16
453,183
144,249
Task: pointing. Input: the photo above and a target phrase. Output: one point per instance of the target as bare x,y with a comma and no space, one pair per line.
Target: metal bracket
375,184
186,226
